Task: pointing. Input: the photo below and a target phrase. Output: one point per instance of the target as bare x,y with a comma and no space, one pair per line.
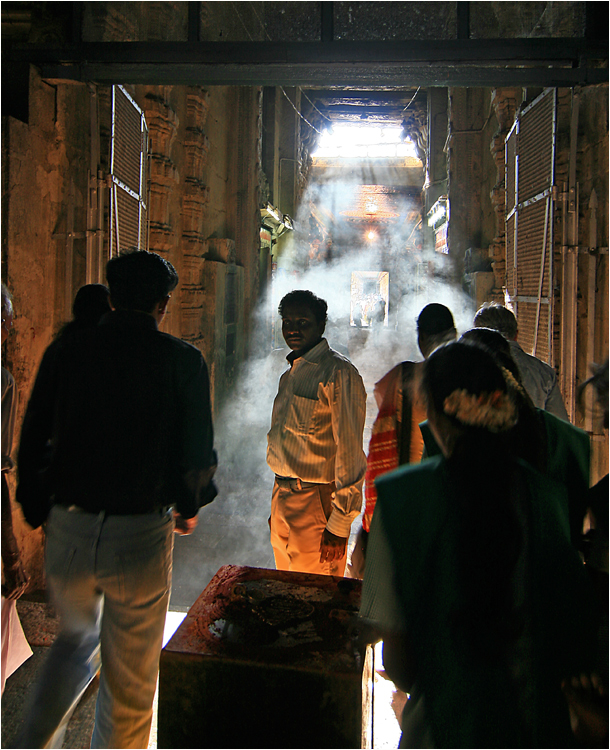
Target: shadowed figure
116,455
471,579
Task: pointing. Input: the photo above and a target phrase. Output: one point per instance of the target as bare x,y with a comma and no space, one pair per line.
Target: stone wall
44,198
593,304
477,202
204,218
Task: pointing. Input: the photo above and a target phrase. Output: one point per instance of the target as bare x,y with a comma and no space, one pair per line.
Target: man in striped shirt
314,446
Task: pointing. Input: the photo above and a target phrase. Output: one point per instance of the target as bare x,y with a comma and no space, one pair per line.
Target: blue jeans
110,580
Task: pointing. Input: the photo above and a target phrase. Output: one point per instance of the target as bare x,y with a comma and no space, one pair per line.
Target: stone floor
34,614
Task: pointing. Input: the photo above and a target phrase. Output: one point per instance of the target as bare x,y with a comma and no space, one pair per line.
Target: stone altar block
265,659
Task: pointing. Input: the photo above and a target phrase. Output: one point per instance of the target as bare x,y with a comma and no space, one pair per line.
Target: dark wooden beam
473,62
364,76
501,51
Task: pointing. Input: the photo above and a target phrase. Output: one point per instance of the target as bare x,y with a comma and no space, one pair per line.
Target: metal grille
530,160
129,162
511,277
511,169
533,266
536,147
128,211
529,323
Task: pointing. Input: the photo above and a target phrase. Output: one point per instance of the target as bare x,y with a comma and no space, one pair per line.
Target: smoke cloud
234,529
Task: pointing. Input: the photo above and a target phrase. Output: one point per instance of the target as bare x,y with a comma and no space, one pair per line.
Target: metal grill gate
530,176
128,168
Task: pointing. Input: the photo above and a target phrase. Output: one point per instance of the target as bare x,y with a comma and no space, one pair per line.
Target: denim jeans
109,578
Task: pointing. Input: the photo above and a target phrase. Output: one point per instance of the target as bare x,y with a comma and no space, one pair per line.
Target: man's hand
332,547
184,526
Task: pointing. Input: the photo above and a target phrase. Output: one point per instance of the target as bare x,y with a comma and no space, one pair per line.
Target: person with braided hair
471,580
550,444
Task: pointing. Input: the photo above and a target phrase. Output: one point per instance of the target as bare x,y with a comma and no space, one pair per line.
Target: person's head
467,396
473,415
7,312
141,281
91,302
303,319
599,382
498,317
435,326
494,342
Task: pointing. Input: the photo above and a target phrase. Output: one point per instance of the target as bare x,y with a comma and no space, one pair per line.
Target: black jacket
119,420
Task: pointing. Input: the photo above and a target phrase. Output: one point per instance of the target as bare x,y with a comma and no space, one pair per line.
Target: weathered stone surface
222,250
284,639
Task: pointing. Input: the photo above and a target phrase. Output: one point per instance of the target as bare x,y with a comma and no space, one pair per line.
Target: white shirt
316,429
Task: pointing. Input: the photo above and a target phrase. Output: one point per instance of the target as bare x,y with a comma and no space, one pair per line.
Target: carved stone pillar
196,143
164,178
195,200
194,205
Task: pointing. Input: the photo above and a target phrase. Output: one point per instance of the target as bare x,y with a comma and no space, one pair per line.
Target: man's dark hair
490,338
90,303
495,343
435,319
139,280
498,317
435,327
305,298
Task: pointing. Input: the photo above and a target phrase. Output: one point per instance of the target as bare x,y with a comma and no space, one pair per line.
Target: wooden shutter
530,175
128,168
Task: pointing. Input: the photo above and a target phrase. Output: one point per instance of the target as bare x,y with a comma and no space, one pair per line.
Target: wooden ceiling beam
479,62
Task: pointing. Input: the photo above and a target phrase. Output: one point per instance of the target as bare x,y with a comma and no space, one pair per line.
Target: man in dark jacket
118,431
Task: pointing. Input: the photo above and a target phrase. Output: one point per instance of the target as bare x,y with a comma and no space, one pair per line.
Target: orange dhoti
299,514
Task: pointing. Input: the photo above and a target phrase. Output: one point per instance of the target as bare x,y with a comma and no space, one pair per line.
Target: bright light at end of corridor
350,140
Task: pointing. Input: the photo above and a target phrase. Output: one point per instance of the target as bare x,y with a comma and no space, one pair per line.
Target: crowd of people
471,549
490,601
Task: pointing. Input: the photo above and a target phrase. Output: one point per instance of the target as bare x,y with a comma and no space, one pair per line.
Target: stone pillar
195,200
162,123
245,185
468,110
288,152
436,163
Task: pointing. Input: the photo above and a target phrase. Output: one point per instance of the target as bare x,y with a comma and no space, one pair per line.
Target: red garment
383,448
396,438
